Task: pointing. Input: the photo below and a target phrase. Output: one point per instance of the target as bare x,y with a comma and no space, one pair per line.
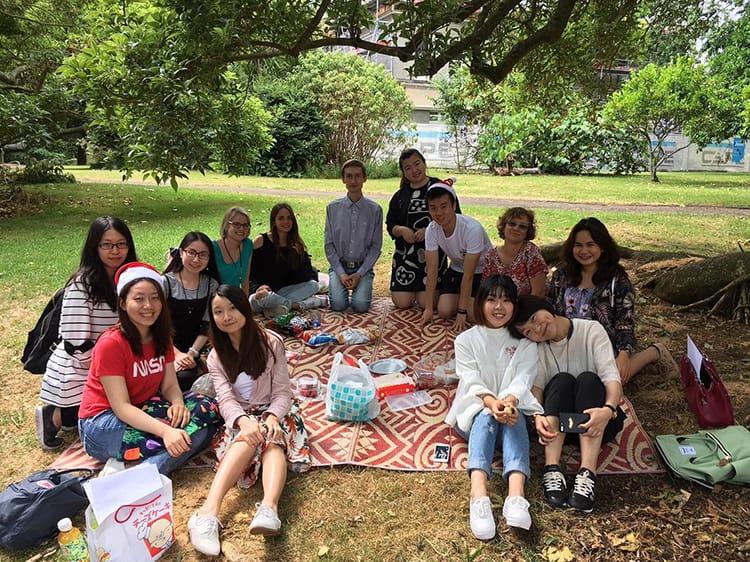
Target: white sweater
491,361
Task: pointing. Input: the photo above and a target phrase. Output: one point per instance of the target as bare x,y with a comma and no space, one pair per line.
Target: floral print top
612,304
528,264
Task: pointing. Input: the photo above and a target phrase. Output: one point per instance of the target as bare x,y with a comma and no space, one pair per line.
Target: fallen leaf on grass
554,554
322,551
628,543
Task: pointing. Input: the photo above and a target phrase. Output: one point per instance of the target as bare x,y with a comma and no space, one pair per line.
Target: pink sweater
271,387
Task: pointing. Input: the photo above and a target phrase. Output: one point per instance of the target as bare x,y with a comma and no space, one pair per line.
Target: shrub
44,171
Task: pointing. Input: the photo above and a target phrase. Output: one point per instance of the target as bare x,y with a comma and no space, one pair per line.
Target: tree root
734,298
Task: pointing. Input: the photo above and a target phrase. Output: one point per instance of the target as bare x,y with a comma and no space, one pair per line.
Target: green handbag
709,456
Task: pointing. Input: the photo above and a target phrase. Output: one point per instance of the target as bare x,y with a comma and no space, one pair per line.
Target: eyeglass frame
109,246
203,256
239,225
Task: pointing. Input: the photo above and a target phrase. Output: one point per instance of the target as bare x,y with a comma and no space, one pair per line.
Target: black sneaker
46,431
582,494
555,487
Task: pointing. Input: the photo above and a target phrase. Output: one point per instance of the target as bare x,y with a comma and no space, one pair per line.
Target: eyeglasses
240,225
192,254
109,246
521,225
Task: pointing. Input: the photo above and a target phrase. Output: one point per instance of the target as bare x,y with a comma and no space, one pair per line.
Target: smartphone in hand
570,421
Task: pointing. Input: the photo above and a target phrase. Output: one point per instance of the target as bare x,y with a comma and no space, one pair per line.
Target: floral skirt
294,442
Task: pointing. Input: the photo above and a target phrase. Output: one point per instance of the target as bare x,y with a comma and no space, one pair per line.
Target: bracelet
460,311
614,410
195,352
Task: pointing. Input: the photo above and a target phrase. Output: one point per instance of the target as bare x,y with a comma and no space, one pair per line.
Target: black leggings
567,394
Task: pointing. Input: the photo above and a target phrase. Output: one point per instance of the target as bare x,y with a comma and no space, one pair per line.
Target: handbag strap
711,440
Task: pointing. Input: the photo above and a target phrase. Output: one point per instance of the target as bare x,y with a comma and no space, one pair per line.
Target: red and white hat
446,185
134,271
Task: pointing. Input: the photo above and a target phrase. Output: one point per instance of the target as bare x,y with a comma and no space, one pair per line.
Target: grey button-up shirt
354,232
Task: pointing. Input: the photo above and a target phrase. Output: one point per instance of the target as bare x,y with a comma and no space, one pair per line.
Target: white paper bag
130,516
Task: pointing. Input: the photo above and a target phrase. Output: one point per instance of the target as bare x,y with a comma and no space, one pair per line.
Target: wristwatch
614,410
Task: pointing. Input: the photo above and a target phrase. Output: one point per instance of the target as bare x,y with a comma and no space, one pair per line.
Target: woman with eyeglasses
234,250
89,308
591,284
190,278
518,257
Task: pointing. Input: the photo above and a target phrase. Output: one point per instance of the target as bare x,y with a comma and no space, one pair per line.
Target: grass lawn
351,513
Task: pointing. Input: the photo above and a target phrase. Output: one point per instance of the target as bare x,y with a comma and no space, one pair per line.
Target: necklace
567,351
190,296
236,263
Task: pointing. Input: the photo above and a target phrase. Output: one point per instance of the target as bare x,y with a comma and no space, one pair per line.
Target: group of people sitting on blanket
133,342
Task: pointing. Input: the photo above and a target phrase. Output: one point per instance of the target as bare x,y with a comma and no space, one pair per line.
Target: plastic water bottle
71,541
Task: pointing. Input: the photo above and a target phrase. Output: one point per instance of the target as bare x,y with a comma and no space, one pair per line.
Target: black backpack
43,339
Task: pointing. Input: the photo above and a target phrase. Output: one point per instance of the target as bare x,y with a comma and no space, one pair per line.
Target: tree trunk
701,280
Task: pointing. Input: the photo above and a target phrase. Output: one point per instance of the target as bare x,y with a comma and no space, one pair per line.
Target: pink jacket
271,387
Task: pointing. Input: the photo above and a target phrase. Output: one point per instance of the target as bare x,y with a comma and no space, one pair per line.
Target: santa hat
445,185
134,271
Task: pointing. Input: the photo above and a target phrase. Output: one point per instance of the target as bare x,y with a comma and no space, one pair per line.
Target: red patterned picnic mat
406,439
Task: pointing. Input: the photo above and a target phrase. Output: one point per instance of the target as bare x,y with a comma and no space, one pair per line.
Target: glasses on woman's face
192,254
240,225
109,246
521,225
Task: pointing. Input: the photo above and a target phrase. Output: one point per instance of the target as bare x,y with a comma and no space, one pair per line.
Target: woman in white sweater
89,308
495,373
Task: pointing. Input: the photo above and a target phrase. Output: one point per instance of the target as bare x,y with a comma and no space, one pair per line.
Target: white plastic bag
130,516
350,394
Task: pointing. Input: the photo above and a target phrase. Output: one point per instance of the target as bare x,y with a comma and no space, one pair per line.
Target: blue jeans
361,295
484,436
102,437
285,296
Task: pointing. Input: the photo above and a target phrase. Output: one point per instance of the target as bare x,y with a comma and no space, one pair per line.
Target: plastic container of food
435,369
306,387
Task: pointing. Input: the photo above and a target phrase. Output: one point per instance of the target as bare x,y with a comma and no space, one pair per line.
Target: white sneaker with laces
204,534
481,520
266,521
516,512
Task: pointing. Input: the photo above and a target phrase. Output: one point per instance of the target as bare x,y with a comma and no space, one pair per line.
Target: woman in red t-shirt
132,407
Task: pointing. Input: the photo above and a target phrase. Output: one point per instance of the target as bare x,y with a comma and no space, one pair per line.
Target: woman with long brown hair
282,277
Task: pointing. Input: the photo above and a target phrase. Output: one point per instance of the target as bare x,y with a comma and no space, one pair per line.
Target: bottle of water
71,541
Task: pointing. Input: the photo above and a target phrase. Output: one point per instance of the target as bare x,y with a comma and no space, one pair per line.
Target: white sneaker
266,521
516,512
481,520
111,466
204,534
316,301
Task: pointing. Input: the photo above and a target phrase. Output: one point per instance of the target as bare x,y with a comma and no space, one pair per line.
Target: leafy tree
36,106
659,101
150,109
298,127
364,106
491,37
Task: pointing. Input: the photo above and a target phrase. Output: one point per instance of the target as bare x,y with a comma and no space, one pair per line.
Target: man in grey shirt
353,240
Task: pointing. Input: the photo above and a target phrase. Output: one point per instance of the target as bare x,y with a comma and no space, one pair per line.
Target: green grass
40,251
675,188
418,511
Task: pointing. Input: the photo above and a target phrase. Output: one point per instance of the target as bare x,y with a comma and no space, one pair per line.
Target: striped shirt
80,320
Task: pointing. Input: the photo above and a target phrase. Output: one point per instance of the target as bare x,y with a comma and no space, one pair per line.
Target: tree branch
547,34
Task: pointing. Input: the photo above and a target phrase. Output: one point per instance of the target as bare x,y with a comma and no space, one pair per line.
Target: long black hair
254,349
91,272
176,265
609,261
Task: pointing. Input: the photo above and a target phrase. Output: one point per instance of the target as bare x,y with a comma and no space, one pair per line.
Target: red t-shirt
112,357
